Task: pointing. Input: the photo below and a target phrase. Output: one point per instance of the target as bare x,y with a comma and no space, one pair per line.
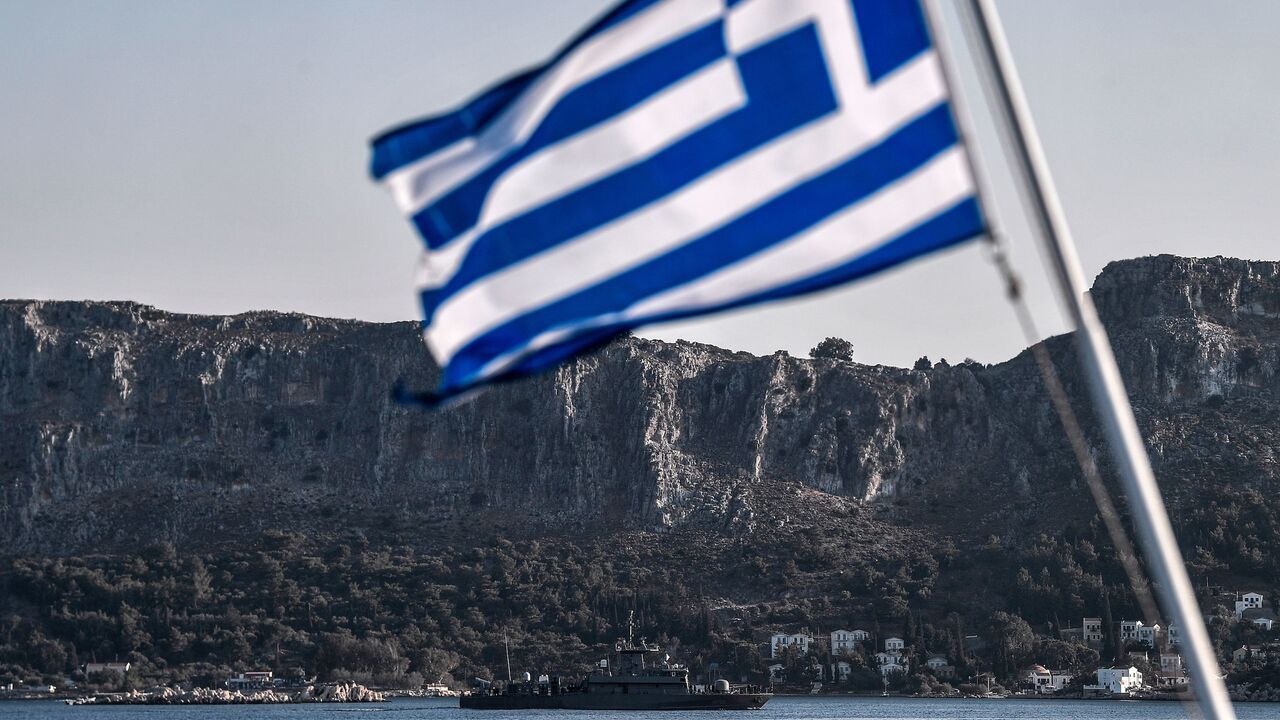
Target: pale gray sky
210,156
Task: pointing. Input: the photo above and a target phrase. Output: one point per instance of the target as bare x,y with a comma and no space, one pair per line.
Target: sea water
780,708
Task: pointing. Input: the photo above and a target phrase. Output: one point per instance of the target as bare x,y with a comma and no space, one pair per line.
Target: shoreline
1162,697
332,693
82,698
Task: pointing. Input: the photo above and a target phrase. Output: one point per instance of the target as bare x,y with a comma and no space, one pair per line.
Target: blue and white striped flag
679,157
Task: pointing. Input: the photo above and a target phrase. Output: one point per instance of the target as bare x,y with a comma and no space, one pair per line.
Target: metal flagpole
1159,545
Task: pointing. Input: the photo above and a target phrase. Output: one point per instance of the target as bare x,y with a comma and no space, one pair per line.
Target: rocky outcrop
332,693
125,425
1193,328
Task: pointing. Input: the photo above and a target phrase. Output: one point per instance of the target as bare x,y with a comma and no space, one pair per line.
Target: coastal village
1088,657
1134,658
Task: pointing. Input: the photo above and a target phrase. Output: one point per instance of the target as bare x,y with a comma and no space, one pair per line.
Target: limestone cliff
122,424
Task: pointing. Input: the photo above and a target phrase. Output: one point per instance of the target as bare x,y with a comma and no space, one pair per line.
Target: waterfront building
1046,681
1118,680
1171,675
252,680
94,668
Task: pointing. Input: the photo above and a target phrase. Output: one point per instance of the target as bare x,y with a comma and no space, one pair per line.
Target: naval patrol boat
631,682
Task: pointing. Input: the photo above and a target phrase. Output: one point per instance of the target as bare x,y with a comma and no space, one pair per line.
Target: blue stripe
402,145
584,107
962,222
959,223
781,218
787,86
891,33
955,225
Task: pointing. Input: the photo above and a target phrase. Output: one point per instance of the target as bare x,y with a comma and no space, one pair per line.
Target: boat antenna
631,627
506,647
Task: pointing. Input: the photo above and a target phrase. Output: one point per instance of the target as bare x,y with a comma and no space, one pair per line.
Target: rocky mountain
122,425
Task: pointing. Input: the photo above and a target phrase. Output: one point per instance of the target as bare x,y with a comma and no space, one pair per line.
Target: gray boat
631,682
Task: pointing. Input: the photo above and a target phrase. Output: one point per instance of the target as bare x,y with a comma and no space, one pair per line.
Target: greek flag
679,157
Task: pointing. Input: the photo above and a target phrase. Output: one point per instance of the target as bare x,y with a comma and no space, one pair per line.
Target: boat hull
618,701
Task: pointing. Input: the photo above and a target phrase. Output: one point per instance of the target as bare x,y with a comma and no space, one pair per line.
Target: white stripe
720,196
833,242
629,138
420,183
837,240
455,161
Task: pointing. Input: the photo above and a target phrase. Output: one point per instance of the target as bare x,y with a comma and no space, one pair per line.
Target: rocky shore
339,692
1254,693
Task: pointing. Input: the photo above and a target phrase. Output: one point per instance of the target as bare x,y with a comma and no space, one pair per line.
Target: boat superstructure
630,681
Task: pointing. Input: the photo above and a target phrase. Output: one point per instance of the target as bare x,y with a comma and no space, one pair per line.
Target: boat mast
1102,373
506,648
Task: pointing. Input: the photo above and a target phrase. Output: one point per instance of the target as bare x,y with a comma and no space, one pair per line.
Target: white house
1119,680
1129,631
1245,652
891,662
892,659
1149,635
1174,634
941,667
1248,601
1171,675
845,642
94,668
253,680
1092,630
842,670
1262,617
1046,681
781,641
1171,681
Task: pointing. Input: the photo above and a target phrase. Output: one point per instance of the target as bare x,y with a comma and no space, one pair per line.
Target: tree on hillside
833,348
1071,656
1013,639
